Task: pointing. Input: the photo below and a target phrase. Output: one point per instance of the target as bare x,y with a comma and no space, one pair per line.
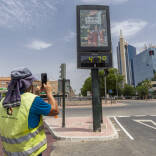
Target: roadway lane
140,132
143,144
131,108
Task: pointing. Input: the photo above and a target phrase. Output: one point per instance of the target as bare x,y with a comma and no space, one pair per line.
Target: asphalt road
136,134
140,139
137,139
131,108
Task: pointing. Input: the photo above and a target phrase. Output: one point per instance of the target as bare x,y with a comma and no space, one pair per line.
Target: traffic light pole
63,77
63,105
96,103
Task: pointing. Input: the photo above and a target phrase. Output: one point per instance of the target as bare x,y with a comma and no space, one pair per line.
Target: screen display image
99,60
93,28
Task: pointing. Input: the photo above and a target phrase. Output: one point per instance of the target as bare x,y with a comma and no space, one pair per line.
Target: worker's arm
54,107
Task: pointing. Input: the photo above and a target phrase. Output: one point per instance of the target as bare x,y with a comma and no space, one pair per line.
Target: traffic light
63,71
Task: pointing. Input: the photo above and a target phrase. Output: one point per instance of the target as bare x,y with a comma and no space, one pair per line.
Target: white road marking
143,122
139,115
152,115
128,116
110,116
123,129
119,116
124,116
118,130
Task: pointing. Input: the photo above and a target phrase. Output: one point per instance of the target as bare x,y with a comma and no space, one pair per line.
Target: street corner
115,134
81,129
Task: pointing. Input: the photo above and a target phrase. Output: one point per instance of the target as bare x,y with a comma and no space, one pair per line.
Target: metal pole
63,105
116,87
117,90
105,90
96,105
101,110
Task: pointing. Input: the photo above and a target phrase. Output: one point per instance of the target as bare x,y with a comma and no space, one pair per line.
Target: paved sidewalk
80,129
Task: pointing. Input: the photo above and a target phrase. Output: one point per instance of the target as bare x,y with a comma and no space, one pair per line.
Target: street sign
110,91
93,37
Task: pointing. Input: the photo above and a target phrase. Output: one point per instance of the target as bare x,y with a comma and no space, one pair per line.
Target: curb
81,139
90,106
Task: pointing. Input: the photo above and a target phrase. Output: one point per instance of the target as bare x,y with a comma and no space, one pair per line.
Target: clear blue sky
40,34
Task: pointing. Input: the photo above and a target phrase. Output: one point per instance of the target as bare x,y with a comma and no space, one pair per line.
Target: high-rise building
144,65
125,54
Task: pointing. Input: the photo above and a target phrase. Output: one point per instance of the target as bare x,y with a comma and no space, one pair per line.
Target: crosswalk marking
145,123
127,133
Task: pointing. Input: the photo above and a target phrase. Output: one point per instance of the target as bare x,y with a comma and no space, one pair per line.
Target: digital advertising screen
93,37
93,28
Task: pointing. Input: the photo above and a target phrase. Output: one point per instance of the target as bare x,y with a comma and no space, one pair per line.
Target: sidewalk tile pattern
81,127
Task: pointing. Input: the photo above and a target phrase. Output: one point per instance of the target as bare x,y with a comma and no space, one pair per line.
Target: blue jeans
40,154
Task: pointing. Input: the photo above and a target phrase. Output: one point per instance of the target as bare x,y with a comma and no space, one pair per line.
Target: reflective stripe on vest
22,139
17,138
27,152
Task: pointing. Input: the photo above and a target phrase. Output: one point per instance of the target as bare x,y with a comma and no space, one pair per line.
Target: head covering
21,79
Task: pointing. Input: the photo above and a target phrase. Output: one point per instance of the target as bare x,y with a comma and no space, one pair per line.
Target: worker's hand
38,90
48,89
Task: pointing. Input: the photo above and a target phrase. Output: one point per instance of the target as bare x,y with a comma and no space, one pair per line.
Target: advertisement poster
93,28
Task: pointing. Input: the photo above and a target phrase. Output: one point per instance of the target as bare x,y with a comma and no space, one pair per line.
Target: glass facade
130,53
144,65
119,58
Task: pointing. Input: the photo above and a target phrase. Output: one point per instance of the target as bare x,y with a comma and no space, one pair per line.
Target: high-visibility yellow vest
17,139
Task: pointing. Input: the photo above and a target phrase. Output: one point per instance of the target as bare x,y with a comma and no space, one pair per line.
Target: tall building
144,65
125,54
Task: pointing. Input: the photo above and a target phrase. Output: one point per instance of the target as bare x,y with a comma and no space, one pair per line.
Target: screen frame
89,48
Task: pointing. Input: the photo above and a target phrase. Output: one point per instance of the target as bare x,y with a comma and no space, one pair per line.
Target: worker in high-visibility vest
21,124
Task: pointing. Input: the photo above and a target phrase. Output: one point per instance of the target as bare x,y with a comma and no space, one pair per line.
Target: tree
113,80
128,90
86,86
154,77
143,88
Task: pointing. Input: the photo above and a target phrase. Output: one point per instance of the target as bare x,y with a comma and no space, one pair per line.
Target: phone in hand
44,78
